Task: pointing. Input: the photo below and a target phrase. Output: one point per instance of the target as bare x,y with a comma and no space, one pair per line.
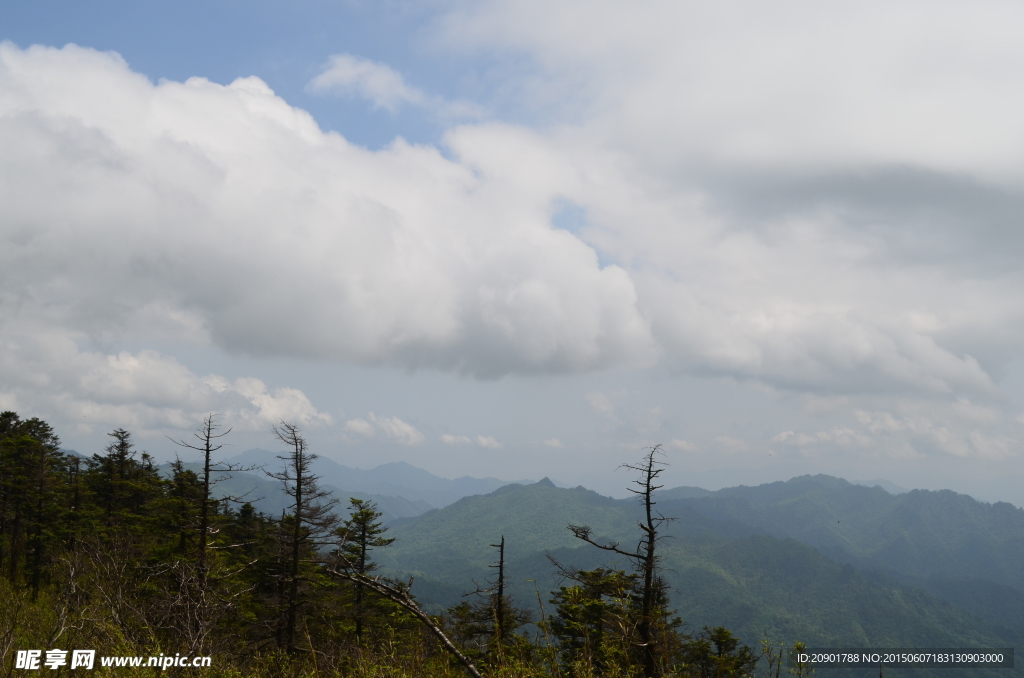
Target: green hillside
460,533
721,571
920,533
967,552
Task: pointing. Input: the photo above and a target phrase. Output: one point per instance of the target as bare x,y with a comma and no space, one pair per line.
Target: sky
521,239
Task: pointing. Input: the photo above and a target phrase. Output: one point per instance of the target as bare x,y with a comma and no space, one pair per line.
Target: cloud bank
756,195
225,215
44,371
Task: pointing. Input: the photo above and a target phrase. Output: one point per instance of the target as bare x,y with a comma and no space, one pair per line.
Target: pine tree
595,619
122,487
30,491
716,653
360,534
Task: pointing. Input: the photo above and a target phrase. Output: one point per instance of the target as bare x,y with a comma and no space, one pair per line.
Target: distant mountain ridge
723,566
268,496
920,533
815,558
395,479
891,488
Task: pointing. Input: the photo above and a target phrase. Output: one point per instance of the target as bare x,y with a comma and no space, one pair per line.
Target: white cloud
376,82
392,428
601,404
360,426
406,257
682,445
782,225
779,208
46,373
488,442
952,429
384,87
554,443
397,430
790,84
482,441
239,222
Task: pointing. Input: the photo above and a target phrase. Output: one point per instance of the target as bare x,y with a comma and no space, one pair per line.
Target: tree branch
583,532
403,598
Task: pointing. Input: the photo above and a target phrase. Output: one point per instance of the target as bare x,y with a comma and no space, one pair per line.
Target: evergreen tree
122,487
177,510
716,653
595,619
360,534
30,493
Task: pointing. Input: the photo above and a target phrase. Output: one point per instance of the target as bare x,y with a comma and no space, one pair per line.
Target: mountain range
400,490
816,559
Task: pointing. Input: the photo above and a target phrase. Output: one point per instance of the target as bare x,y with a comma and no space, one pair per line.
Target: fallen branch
403,598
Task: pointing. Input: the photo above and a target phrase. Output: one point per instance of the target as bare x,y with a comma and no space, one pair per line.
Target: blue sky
286,44
522,239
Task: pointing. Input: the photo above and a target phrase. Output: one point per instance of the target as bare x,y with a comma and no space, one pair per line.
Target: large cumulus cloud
224,214
816,197
820,200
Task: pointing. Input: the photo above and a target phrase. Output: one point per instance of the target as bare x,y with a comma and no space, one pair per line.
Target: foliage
104,552
716,653
595,620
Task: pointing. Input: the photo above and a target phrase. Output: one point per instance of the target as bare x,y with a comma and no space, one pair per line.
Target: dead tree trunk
207,436
499,596
313,518
644,556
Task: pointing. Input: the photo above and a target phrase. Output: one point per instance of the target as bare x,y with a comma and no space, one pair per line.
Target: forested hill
731,562
963,550
922,533
107,551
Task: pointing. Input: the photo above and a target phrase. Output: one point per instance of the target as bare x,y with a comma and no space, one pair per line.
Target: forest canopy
116,553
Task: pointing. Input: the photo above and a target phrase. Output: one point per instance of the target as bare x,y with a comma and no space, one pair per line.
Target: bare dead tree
208,436
196,606
499,594
644,555
313,517
490,621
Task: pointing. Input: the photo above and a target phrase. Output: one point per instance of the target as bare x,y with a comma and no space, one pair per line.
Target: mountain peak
546,482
